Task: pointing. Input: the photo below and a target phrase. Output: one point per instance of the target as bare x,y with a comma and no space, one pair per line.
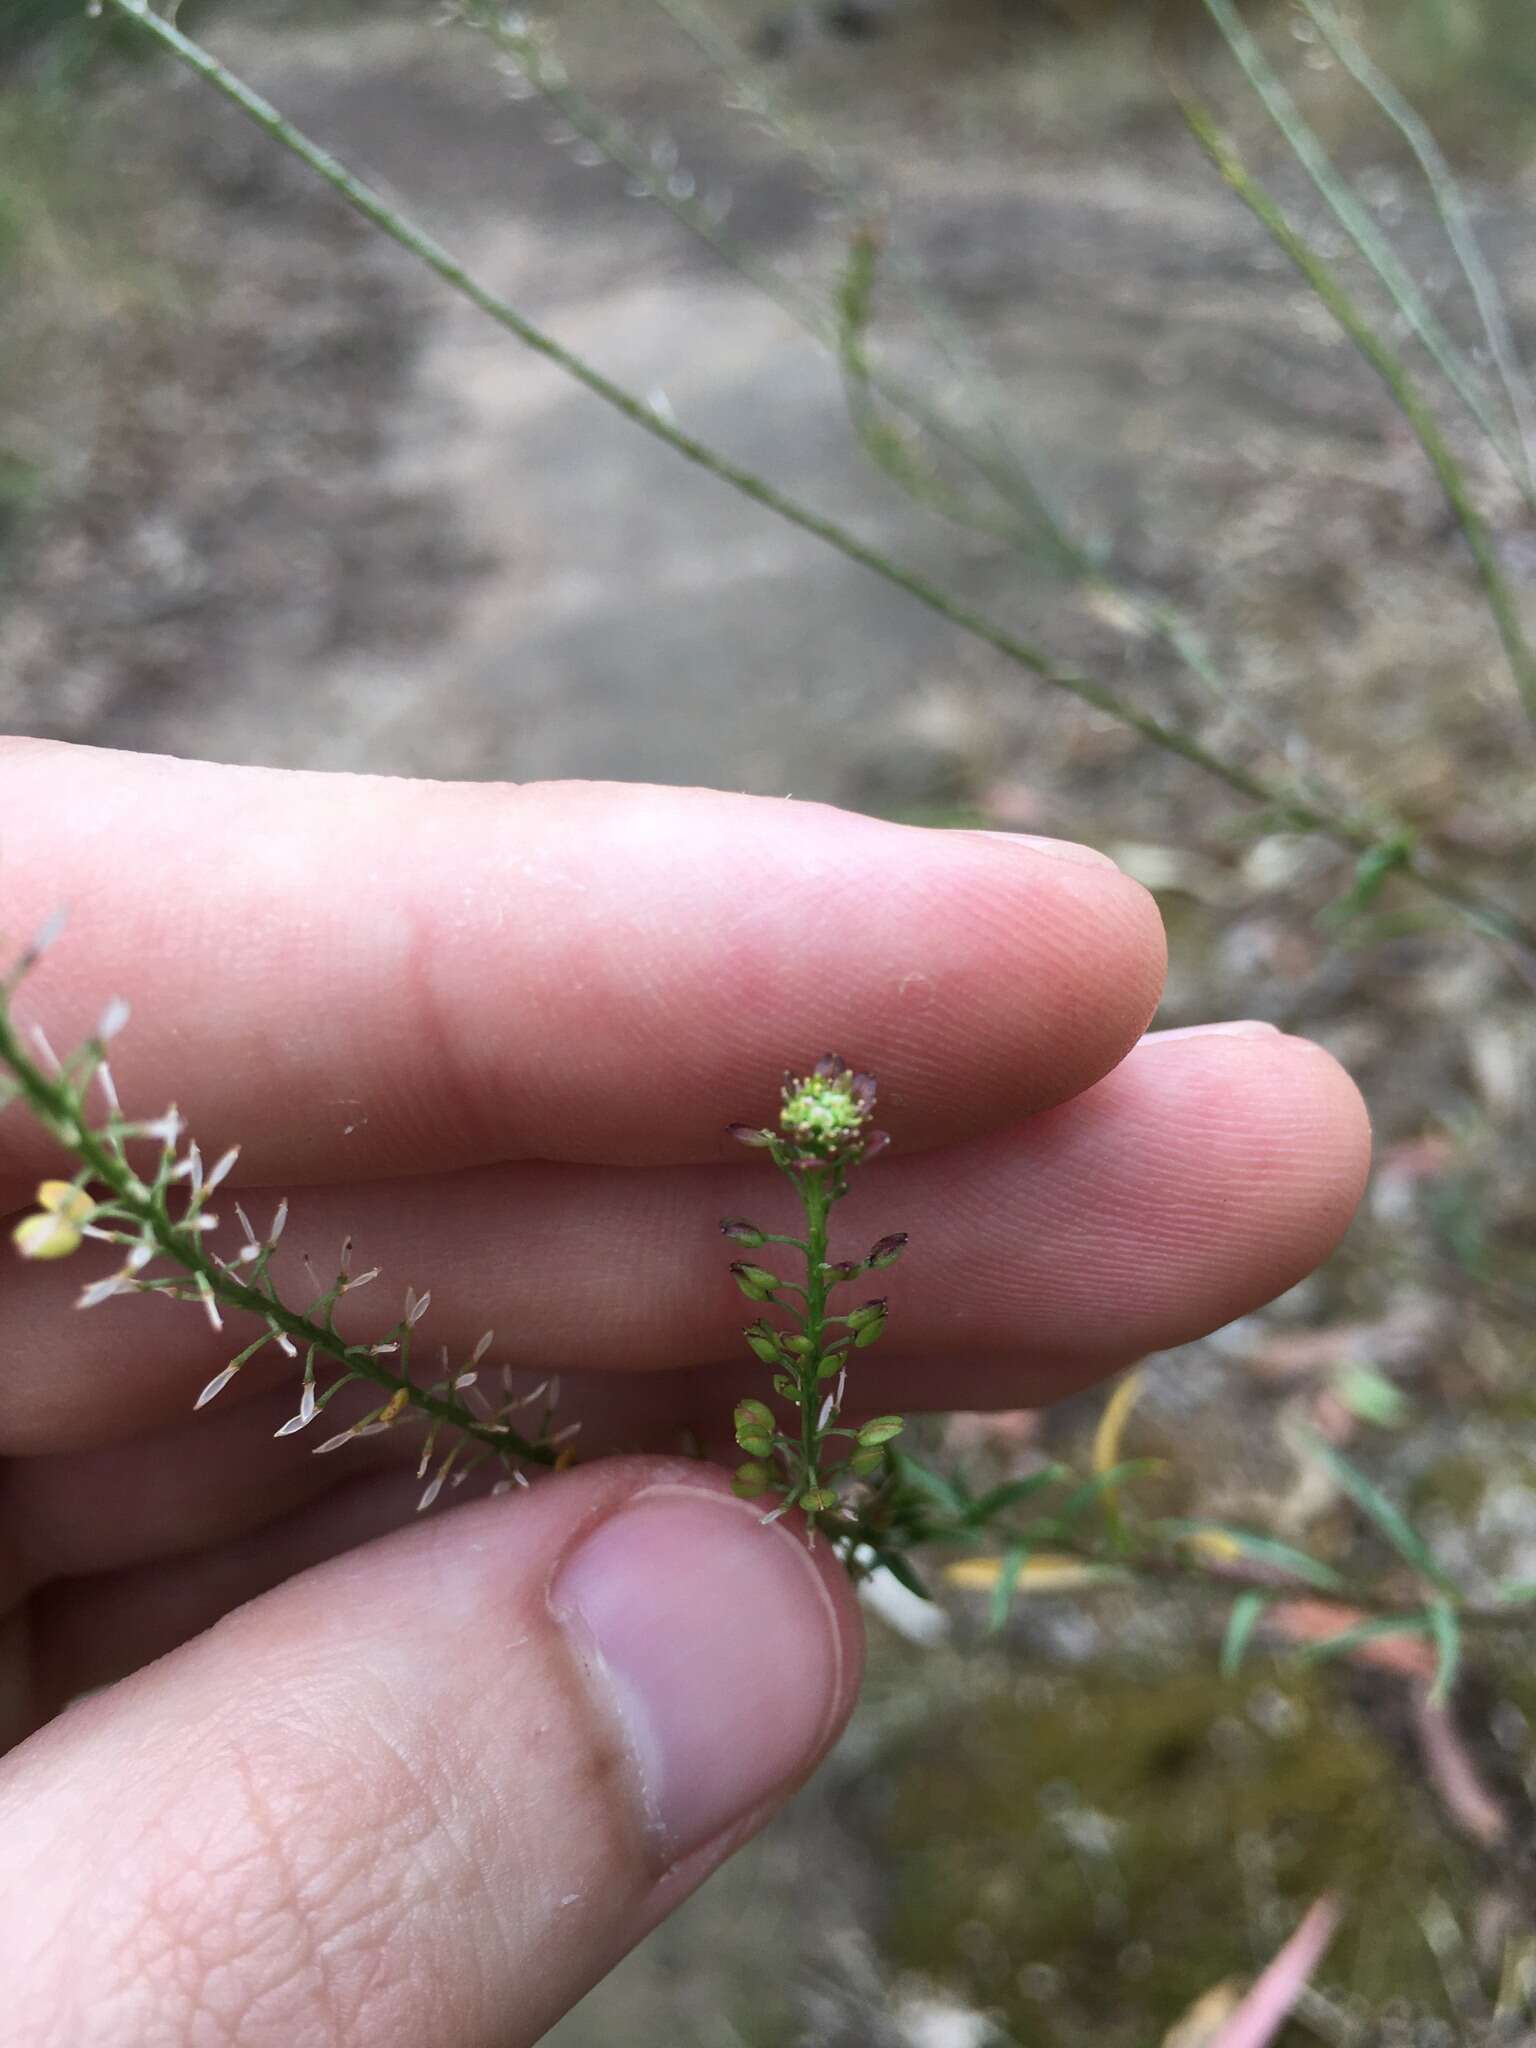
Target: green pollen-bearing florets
826,1115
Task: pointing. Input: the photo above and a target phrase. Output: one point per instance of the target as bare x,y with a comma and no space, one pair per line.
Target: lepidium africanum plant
141,1189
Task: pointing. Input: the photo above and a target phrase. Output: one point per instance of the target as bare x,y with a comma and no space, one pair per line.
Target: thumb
430,1790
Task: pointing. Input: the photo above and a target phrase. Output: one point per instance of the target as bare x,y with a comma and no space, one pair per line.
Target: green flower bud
784,1386
741,1232
881,1430
830,1365
867,1313
835,1275
862,1339
751,1482
799,1347
755,1282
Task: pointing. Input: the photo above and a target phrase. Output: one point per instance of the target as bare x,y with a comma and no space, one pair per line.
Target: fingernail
1240,1027
714,1643
1057,849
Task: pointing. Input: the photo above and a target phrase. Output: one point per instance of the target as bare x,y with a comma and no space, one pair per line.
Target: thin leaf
1002,1592
1117,1412
902,1571
1012,1491
1519,1595
1446,1630
1365,1632
1374,1504
1247,1613
922,1480
1261,1550
1092,1489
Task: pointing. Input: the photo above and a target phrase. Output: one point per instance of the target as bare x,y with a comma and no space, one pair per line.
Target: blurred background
269,494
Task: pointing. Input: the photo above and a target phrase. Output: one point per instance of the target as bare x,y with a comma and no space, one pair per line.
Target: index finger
354,976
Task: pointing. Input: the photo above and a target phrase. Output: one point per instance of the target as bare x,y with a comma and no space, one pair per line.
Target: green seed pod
754,1443
832,1364
751,1482
865,1336
755,1282
817,1499
764,1343
785,1387
754,1415
801,1347
880,1431
865,1462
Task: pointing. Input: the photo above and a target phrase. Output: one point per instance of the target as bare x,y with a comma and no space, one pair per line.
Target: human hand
396,1781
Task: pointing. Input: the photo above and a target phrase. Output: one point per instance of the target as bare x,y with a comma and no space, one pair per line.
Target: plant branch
1354,833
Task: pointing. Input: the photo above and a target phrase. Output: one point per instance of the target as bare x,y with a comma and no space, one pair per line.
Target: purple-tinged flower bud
755,1282
874,1144
886,1251
749,1134
830,1067
868,1312
844,1269
862,1089
741,1232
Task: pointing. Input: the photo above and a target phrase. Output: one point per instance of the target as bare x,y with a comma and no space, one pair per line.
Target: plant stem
55,1104
1354,833
816,1195
1394,373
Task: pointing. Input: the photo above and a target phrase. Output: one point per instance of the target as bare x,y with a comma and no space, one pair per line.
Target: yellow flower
53,1230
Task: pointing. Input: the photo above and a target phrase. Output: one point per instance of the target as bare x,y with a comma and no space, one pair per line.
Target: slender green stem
54,1102
1395,375
815,1194
1354,833
1373,245
1455,216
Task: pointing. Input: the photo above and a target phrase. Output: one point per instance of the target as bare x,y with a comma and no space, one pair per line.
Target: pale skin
350,1777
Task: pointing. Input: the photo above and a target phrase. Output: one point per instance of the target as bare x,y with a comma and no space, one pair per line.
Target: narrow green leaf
901,1570
1519,1595
1002,1592
1012,1491
1447,1633
1373,1397
1092,1489
922,1480
1365,1632
1374,1504
1263,1550
1247,1613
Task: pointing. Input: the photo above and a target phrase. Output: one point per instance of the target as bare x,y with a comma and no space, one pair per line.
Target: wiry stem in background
1373,245
995,457
1356,834
1394,373
1456,219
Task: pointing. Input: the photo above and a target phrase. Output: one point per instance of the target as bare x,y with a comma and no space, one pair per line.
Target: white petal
216,1386
294,1424
221,1169
278,1221
112,1019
